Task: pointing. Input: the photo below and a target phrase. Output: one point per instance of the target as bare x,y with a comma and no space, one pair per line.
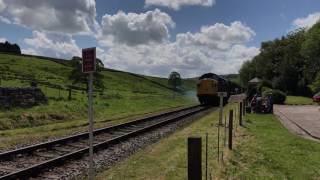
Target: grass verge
270,151
298,100
167,159
264,149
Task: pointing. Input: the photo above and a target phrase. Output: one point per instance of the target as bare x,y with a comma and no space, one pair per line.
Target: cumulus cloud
218,36
134,29
176,4
307,22
2,5
218,48
72,17
51,44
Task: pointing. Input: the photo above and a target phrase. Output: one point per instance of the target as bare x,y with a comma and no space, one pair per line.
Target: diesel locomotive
208,87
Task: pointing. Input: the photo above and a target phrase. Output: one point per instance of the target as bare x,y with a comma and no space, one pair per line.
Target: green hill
126,94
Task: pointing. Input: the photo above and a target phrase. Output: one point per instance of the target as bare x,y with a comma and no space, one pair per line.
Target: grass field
167,158
298,100
271,152
264,150
126,95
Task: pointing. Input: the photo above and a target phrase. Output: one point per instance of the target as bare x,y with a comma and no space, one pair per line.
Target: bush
278,96
264,84
264,88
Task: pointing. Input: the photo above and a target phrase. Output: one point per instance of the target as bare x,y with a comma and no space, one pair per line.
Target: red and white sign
89,60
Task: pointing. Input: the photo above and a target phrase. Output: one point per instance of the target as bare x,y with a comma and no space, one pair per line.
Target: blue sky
189,36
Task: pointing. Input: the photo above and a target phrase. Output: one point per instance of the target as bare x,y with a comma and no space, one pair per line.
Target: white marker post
89,66
221,95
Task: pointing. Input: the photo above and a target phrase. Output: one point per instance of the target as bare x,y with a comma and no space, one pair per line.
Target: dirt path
301,120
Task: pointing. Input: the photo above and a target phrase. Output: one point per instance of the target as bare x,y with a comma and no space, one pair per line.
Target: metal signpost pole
91,163
89,66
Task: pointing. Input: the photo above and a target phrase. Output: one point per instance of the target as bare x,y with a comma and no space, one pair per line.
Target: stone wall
21,97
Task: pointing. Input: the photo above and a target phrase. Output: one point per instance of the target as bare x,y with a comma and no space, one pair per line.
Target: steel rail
36,169
49,144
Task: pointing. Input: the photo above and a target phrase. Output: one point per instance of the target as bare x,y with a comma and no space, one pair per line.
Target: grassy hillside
125,94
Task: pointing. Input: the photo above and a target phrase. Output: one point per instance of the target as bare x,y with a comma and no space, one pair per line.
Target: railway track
30,161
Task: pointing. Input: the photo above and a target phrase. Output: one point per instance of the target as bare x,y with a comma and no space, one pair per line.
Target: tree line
9,48
290,63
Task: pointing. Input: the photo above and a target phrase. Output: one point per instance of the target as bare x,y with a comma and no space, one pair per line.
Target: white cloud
30,51
218,36
176,4
2,39
72,17
53,45
218,48
2,5
134,29
5,20
307,22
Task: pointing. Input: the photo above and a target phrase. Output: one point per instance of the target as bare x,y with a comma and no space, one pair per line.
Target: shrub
264,88
278,96
264,84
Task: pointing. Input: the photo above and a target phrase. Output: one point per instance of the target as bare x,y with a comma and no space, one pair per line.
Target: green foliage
315,86
290,63
278,96
77,76
174,80
265,88
311,52
264,84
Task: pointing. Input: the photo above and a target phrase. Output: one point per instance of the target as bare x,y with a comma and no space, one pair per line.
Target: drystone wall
21,97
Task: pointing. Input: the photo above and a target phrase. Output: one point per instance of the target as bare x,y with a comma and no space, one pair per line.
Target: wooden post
206,156
240,114
218,153
194,158
244,107
225,131
230,129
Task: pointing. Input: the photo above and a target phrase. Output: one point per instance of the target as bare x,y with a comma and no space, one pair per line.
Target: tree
311,52
78,77
315,86
174,81
10,48
281,62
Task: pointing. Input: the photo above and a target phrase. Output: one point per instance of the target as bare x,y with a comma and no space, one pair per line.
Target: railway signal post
89,66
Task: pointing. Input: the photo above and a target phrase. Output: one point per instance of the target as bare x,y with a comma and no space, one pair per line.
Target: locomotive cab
208,87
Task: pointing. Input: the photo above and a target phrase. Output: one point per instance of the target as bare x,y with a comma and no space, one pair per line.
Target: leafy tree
315,86
10,48
311,52
281,62
78,77
174,81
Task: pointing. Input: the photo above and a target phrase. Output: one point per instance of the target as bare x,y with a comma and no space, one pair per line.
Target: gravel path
301,120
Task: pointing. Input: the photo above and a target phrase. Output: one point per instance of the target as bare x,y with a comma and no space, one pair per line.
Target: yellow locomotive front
207,91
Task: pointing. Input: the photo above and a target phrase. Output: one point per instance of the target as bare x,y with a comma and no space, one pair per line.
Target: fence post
206,156
240,114
194,158
225,131
230,128
244,107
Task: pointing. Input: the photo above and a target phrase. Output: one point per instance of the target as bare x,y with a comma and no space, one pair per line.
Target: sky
154,37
